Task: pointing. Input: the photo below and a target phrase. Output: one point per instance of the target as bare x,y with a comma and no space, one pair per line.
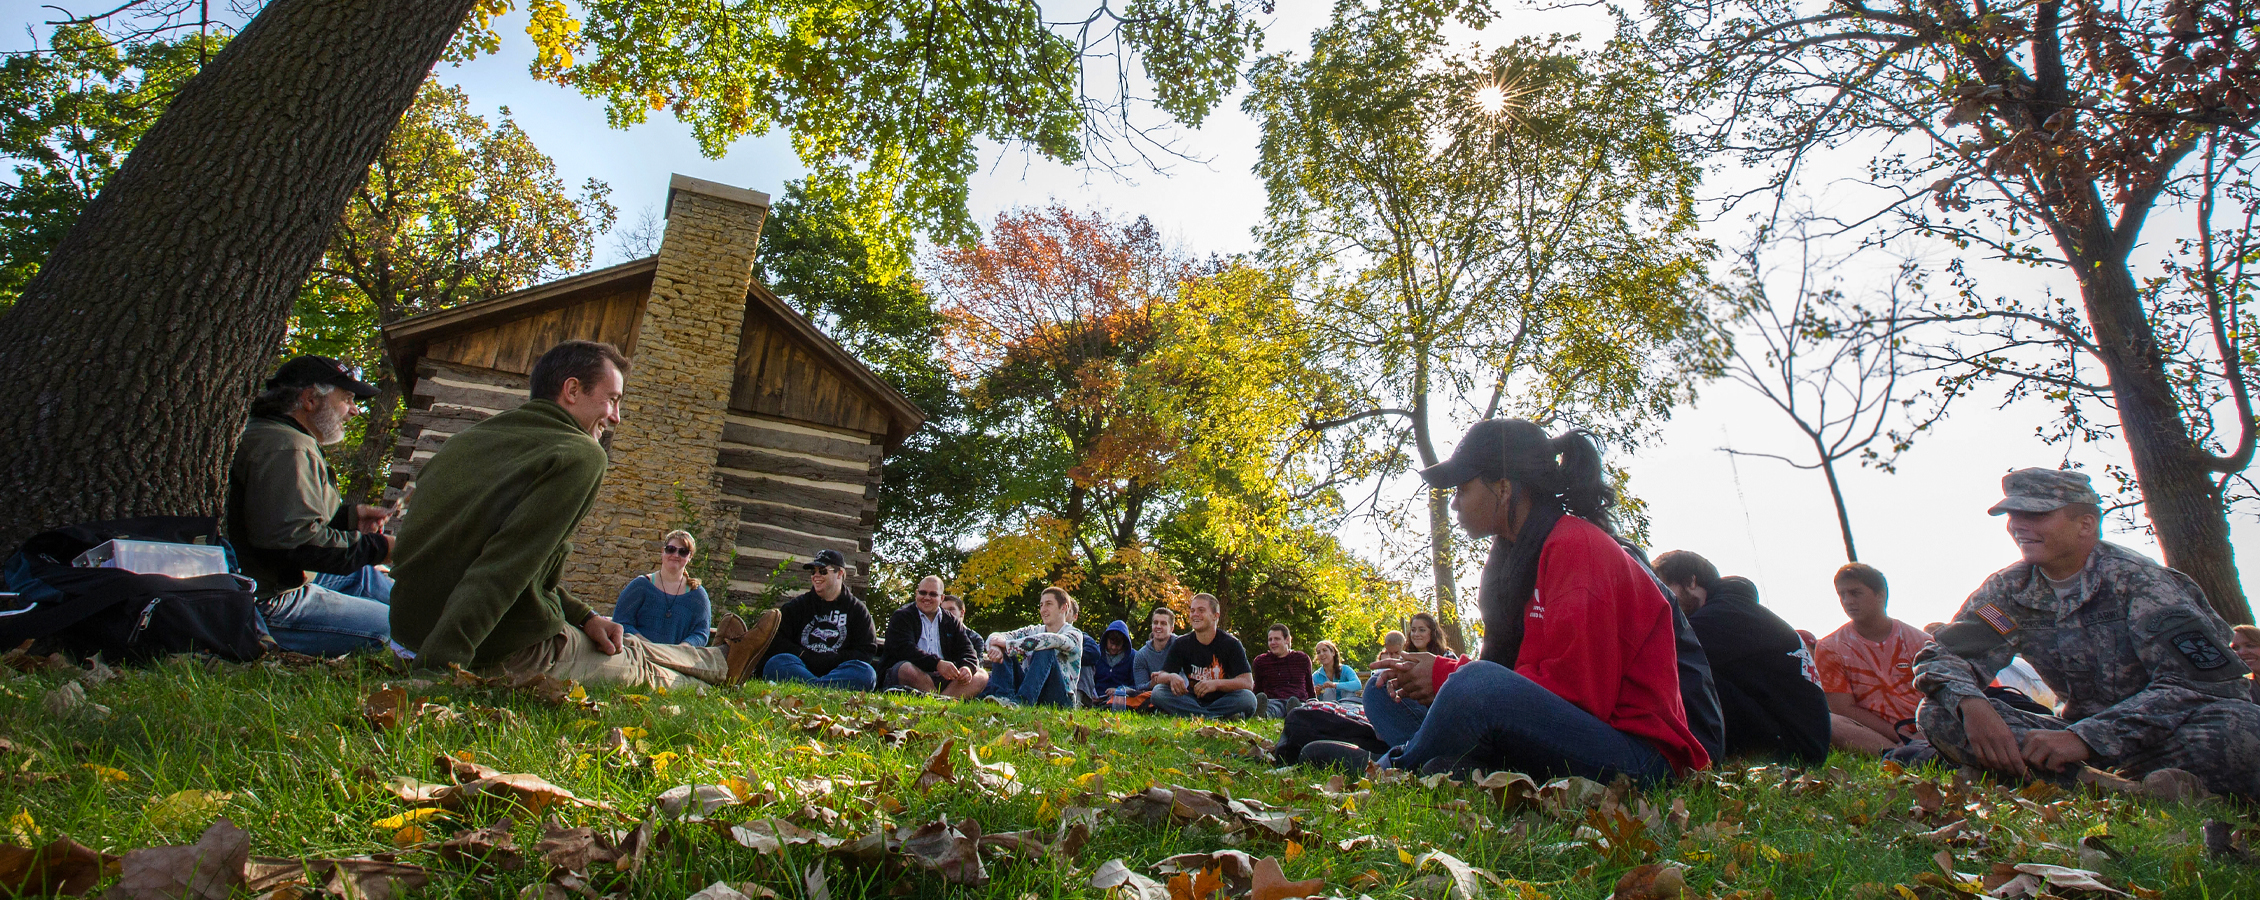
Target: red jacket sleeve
1444,667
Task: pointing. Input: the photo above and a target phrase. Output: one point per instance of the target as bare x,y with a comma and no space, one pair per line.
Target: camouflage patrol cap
2041,490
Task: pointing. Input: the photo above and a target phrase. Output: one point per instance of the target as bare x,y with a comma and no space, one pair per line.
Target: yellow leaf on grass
661,760
407,818
1294,849
1771,854
2097,831
1404,857
106,773
1349,804
1066,760
1174,772
22,828
1084,780
186,810
639,698
584,724
409,836
632,732
577,693
1044,809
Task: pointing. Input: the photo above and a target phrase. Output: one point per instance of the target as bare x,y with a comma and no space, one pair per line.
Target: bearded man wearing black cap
285,517
2139,658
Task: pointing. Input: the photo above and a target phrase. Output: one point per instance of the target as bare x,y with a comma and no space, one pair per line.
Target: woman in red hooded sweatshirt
1580,670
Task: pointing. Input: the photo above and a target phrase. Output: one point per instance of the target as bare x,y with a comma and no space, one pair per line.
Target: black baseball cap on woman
1486,452
308,371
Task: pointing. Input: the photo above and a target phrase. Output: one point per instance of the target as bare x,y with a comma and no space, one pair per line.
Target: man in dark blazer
927,650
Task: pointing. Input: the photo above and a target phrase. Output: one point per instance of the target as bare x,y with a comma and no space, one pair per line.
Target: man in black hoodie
1772,710
824,636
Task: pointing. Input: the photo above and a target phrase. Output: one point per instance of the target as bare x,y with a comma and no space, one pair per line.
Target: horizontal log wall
798,489
448,399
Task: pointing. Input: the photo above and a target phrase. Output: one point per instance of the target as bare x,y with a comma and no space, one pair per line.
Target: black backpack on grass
127,617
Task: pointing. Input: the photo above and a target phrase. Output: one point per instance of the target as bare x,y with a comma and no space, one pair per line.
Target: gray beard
329,426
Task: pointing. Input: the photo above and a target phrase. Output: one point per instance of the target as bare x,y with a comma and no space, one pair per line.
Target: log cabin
742,421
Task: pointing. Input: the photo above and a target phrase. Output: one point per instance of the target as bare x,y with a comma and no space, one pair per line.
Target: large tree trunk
132,356
2174,472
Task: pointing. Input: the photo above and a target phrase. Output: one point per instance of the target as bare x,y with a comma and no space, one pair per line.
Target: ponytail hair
1583,483
1565,468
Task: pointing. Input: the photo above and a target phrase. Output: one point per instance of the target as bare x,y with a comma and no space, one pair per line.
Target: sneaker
1351,759
746,650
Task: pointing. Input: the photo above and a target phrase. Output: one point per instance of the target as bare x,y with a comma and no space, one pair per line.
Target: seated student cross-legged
1580,672
824,636
928,649
1116,665
1039,664
1283,673
1207,672
1335,680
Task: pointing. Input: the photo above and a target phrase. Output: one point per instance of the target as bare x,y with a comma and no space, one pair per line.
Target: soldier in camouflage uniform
2139,658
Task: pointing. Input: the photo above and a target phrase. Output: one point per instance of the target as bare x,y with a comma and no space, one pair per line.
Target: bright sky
1925,526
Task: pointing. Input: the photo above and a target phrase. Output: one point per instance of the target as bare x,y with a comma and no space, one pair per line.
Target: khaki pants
572,656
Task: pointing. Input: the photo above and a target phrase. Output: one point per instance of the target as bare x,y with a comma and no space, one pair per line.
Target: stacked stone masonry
678,397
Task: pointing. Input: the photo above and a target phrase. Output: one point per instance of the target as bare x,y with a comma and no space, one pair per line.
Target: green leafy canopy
888,104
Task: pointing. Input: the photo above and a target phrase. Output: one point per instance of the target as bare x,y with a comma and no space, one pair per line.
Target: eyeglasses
829,570
673,550
929,593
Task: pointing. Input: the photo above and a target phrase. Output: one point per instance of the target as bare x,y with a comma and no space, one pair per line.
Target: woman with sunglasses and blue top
667,606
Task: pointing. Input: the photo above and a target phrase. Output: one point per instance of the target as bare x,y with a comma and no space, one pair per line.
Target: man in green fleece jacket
477,562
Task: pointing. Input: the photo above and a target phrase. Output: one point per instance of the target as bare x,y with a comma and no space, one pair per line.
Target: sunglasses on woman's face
673,550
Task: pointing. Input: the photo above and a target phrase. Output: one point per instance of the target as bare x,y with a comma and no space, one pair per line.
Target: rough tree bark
2174,472
132,356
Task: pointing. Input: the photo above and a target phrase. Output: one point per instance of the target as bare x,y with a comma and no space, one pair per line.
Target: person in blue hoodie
1112,668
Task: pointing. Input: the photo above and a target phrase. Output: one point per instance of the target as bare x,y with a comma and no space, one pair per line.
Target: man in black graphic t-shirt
1206,672
825,636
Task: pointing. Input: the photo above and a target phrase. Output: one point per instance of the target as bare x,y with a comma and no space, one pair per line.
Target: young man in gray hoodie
1150,655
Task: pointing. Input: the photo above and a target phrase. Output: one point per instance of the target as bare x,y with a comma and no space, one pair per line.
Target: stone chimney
678,393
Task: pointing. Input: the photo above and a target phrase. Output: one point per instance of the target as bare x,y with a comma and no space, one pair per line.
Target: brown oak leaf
383,707
209,869
1271,883
939,768
63,867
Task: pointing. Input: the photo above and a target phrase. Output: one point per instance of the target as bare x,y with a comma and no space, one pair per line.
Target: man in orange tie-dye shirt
1867,666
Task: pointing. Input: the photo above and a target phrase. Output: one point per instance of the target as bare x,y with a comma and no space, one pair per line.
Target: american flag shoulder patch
1993,616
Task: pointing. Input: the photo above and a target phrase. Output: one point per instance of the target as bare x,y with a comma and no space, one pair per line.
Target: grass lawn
305,774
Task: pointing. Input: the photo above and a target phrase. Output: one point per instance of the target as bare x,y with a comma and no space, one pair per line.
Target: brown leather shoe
729,630
746,650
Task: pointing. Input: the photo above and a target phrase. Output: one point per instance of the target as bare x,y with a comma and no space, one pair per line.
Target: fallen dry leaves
209,869
63,867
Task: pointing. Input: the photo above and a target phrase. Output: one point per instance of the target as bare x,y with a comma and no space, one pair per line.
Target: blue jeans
318,621
851,674
1035,682
1488,716
366,582
1219,705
